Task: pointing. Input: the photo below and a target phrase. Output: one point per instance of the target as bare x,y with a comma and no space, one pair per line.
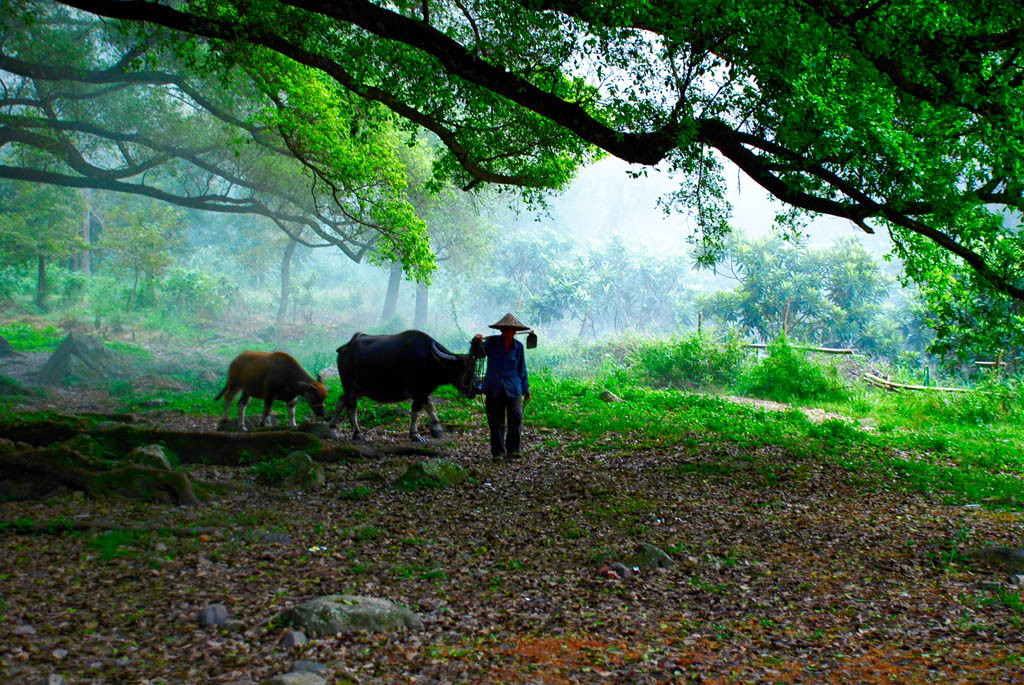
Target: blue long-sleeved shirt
506,371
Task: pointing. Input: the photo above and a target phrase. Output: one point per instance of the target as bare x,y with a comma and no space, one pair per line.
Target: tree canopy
246,130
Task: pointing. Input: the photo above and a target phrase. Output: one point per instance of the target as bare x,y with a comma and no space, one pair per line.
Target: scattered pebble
59,653
308,667
622,570
212,615
293,638
233,625
24,629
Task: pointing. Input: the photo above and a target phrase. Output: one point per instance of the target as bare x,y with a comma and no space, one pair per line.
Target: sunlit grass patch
26,337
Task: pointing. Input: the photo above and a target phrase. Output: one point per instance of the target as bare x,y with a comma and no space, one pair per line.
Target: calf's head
315,395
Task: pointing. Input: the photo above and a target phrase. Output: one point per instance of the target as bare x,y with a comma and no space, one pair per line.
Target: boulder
648,556
1009,559
430,473
5,348
213,614
295,678
83,357
293,638
152,456
305,473
333,614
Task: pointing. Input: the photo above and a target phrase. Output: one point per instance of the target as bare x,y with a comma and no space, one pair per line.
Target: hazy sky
605,201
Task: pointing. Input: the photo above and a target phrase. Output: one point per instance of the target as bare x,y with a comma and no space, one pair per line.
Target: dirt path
814,414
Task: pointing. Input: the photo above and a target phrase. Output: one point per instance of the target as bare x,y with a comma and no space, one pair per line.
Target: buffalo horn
442,354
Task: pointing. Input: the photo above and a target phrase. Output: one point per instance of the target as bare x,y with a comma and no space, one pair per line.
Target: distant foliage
788,375
689,361
824,296
197,295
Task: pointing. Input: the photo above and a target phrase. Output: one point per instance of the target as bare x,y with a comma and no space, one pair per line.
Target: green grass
970,463
25,337
136,352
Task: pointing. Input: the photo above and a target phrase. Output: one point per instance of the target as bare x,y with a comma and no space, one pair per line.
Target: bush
272,471
788,375
195,295
690,361
70,287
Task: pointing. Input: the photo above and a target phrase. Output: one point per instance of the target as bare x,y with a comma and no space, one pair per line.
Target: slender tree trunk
422,306
286,279
41,282
135,292
391,298
83,260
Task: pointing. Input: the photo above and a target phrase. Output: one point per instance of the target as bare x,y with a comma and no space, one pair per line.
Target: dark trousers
497,409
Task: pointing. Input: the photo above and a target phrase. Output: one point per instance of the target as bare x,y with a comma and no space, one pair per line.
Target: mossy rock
430,473
1009,559
333,614
304,472
153,456
648,556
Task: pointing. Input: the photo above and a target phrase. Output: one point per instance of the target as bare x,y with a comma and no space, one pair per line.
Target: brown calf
271,376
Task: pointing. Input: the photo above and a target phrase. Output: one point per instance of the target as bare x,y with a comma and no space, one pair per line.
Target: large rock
333,614
1009,559
305,473
83,357
431,473
295,678
152,456
648,556
5,348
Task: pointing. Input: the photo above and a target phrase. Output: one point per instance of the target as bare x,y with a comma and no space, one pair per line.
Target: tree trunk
286,279
41,283
391,298
134,293
82,260
422,306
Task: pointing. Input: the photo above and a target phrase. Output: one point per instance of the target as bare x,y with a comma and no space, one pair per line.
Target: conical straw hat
509,321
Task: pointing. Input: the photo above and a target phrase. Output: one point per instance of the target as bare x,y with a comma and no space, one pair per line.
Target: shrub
272,471
787,375
196,295
689,361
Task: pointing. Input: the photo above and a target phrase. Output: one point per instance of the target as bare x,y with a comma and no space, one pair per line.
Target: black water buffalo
404,366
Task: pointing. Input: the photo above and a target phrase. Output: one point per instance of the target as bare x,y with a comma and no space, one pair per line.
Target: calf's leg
291,411
268,403
228,397
243,402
